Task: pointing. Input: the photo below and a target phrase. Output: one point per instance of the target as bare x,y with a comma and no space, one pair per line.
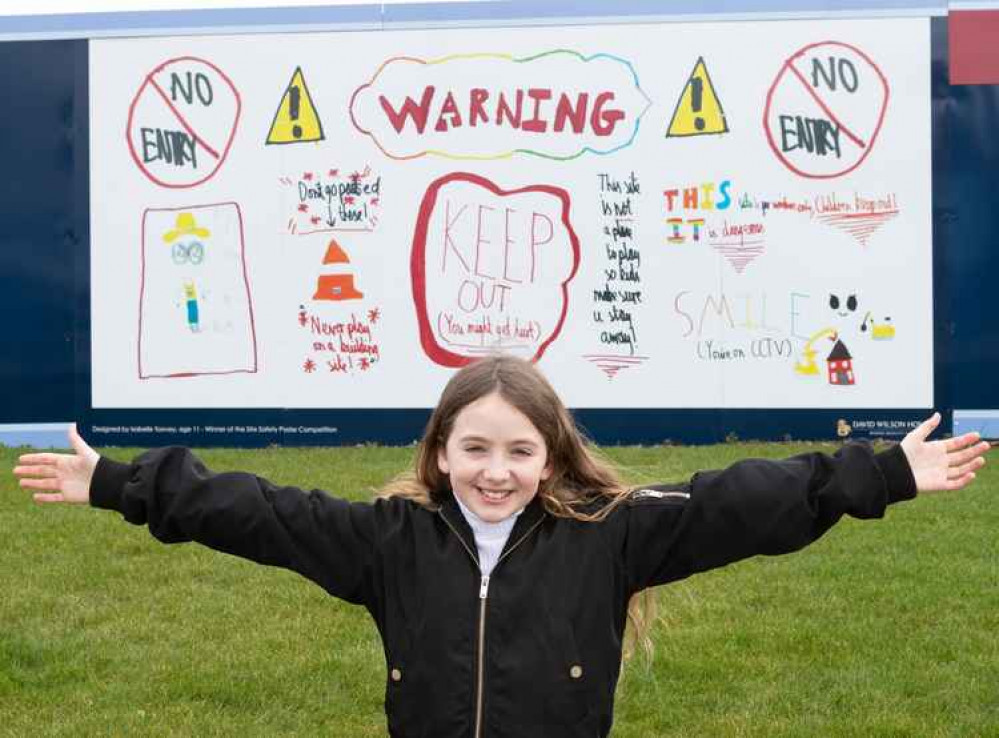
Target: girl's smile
495,458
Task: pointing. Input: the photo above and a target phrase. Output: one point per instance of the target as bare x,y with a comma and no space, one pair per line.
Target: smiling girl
499,572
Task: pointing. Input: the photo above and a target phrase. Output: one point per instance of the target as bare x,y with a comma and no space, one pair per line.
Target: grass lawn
882,628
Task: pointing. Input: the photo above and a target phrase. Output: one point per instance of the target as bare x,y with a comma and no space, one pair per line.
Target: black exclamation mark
696,90
294,99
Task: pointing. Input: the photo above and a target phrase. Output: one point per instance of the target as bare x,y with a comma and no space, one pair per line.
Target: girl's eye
522,451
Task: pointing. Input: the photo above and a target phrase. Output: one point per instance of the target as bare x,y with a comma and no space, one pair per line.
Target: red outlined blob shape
417,263
370,83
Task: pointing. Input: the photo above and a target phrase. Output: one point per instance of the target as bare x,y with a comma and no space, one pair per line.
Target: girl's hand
67,476
945,464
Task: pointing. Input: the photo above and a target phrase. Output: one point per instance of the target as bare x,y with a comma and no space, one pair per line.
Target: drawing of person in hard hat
188,248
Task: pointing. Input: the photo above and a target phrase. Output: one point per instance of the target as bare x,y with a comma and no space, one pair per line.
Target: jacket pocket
401,677
570,700
401,706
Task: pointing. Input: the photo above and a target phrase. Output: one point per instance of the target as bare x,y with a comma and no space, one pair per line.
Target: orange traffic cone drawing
336,286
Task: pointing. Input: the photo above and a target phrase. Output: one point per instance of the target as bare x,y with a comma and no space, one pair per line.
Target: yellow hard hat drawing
186,225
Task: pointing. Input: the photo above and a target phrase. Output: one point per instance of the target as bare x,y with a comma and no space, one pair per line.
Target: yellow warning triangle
698,111
296,120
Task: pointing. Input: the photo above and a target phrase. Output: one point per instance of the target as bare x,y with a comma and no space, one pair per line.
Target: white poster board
678,215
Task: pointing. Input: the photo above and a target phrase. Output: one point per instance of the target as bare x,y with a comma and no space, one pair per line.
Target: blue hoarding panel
44,248
39,146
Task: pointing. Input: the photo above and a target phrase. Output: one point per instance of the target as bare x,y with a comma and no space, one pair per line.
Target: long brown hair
583,485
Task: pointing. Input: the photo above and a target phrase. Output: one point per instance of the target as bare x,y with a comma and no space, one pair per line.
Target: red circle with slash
858,128
184,114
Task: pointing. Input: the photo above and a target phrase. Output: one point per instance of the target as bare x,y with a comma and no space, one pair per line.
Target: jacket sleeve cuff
897,473
108,483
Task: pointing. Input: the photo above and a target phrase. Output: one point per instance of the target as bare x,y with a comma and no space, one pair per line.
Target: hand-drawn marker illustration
845,327
839,365
338,285
825,109
333,199
556,104
191,295
182,122
195,310
698,111
883,331
617,293
339,346
706,212
491,268
859,217
188,248
808,366
296,119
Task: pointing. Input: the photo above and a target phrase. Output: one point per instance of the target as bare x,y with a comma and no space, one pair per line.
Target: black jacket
535,650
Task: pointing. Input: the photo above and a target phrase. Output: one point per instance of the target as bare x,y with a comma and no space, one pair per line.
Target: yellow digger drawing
879,331
808,366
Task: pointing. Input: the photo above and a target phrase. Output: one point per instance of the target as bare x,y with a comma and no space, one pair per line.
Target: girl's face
495,458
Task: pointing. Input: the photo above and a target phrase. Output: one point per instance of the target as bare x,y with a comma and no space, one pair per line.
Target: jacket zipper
659,494
483,596
480,670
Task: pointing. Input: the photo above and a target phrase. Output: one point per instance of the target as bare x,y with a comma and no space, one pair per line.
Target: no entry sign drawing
182,122
824,110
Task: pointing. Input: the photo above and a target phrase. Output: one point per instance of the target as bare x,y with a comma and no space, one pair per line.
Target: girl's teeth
494,495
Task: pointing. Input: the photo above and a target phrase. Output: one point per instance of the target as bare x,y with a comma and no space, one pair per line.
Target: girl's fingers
959,442
36,471
955,472
43,458
922,431
48,483
956,458
48,497
960,482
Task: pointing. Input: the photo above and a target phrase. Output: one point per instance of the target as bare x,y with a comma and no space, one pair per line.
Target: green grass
884,628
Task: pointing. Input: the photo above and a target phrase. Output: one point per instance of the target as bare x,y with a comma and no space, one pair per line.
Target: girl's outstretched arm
759,506
326,539
60,477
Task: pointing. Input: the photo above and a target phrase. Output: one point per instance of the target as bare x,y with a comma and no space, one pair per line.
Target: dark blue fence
44,252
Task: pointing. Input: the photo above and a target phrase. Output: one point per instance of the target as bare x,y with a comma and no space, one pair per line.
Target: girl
499,573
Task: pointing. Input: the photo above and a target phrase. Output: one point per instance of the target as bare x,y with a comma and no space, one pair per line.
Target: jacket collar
526,522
